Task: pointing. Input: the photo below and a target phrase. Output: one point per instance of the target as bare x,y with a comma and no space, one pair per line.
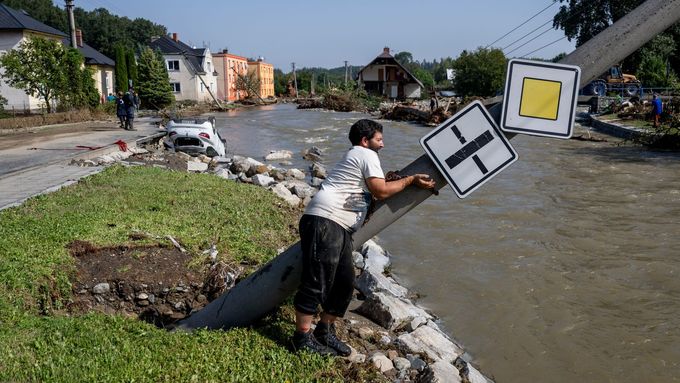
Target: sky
325,34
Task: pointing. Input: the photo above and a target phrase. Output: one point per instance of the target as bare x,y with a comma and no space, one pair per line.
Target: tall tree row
121,73
154,87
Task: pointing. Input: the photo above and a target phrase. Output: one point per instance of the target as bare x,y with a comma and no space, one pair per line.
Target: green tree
439,70
248,83
424,76
131,64
583,19
79,88
404,58
121,72
154,83
35,66
280,82
480,73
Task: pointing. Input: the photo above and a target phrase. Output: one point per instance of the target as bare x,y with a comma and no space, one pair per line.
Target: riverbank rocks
318,171
430,342
441,372
389,311
313,154
262,180
375,257
275,155
370,281
196,166
281,191
295,173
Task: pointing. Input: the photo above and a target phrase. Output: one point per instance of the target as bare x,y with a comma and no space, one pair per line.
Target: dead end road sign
468,149
540,98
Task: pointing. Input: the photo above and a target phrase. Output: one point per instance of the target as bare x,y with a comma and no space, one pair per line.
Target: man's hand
381,189
423,181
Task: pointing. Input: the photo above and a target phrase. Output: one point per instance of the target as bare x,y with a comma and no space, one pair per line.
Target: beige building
15,27
265,73
229,67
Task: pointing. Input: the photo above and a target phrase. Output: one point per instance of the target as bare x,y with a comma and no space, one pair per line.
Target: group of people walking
126,106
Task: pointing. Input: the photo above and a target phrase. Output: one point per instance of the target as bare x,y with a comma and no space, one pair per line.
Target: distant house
102,67
265,73
384,76
191,70
229,67
15,27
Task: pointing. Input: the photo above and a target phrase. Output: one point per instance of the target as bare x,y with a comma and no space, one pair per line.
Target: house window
208,64
173,65
175,87
201,87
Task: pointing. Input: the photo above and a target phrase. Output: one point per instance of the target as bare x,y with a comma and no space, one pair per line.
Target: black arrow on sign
469,150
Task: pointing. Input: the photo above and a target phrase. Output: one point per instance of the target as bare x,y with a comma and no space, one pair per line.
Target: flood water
563,268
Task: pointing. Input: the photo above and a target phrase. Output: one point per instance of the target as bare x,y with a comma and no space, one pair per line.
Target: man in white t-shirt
336,211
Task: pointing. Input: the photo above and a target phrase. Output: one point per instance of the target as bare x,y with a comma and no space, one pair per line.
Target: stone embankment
385,327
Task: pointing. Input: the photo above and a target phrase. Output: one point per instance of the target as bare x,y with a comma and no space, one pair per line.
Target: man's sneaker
325,334
306,341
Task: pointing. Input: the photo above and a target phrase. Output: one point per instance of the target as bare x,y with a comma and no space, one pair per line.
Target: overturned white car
195,136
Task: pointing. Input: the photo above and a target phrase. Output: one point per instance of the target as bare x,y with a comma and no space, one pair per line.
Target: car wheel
210,152
632,89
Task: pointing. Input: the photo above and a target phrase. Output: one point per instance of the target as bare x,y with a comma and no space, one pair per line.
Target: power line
539,35
545,46
537,28
517,27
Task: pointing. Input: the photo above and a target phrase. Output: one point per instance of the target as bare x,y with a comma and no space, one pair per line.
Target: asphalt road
49,144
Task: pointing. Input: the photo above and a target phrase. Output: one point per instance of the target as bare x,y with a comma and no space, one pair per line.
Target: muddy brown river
563,268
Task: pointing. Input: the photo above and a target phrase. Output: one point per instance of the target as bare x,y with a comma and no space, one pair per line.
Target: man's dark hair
363,128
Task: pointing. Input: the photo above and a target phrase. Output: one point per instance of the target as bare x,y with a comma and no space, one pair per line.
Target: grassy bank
39,341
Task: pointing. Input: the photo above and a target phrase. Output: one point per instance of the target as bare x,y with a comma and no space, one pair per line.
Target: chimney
175,37
386,50
79,38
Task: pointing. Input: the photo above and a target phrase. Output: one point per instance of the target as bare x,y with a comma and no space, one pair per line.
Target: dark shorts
327,268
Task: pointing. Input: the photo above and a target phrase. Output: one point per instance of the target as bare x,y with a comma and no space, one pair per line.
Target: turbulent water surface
563,268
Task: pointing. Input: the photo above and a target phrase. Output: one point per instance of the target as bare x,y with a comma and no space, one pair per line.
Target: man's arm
380,189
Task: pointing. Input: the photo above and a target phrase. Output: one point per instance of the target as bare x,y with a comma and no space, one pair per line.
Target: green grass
36,270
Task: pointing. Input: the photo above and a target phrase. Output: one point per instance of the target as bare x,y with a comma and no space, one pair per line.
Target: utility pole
71,23
345,72
295,81
267,288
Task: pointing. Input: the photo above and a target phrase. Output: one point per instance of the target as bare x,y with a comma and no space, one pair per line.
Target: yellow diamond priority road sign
540,98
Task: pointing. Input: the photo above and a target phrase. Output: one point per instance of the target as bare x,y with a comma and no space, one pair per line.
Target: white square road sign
540,98
468,149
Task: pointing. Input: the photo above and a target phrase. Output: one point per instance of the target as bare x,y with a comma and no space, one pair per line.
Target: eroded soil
158,283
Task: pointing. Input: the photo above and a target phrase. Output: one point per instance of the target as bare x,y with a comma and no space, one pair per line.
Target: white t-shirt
344,197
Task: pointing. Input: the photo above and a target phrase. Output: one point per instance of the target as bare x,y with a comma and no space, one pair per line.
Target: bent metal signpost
469,148
272,284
